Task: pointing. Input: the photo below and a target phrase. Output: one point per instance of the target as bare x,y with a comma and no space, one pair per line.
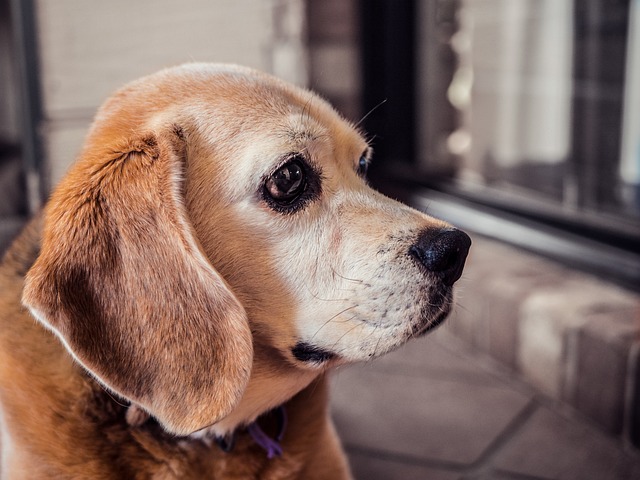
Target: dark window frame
389,46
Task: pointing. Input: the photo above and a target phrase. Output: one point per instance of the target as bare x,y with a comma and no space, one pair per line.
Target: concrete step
571,335
439,409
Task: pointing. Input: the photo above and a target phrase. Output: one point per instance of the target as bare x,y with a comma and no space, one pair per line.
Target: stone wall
84,58
571,335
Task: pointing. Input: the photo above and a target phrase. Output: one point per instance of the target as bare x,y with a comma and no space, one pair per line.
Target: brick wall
573,336
84,57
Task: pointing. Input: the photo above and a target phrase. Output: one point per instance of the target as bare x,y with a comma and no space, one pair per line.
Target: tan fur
163,285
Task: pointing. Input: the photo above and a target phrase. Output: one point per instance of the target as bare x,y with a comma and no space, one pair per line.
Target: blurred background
518,120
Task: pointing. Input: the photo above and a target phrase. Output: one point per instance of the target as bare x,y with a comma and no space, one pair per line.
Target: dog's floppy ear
122,281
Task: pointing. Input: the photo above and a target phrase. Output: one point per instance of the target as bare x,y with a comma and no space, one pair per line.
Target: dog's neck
266,431
270,443
273,383
255,403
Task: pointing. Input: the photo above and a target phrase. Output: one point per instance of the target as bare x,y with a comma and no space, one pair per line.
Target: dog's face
325,258
219,232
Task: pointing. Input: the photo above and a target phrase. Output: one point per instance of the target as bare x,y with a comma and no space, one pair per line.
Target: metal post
25,41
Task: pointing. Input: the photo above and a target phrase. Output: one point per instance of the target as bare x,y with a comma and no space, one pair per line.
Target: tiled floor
436,410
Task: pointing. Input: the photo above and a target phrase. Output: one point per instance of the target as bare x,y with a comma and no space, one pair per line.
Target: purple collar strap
270,445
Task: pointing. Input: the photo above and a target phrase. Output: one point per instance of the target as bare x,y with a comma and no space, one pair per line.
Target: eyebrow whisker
369,113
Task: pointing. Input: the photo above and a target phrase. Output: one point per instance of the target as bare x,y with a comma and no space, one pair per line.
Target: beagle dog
212,253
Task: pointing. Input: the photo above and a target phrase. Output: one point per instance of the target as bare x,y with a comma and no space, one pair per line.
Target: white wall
88,49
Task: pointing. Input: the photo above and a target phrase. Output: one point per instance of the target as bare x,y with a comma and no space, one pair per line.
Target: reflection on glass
547,95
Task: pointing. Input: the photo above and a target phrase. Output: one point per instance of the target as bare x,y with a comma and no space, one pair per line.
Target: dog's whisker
369,113
371,140
306,111
335,272
332,319
375,350
462,307
317,296
371,333
357,325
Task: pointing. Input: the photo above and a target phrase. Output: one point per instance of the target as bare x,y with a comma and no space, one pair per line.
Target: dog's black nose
443,252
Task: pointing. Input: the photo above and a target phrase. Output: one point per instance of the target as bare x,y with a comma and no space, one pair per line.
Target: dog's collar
272,446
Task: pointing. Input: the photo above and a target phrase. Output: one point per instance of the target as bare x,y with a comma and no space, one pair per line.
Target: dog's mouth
311,354
434,322
436,307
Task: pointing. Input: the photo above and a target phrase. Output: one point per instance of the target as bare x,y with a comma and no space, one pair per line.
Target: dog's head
218,235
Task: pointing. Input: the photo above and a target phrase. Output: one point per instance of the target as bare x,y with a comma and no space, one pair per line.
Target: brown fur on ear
122,281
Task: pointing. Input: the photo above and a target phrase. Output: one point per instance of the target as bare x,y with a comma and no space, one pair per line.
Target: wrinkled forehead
320,136
290,115
257,124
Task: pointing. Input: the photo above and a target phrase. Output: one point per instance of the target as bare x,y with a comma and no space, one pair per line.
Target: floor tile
370,467
552,446
433,357
497,475
431,419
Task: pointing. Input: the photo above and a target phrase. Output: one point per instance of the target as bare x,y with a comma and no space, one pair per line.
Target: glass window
547,118
517,119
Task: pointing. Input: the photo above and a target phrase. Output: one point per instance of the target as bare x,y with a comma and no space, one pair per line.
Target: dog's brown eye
287,183
293,186
363,166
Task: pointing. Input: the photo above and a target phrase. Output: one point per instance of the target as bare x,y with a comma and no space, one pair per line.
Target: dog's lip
312,354
434,323
431,320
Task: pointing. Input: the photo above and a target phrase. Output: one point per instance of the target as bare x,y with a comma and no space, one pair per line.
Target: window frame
589,242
